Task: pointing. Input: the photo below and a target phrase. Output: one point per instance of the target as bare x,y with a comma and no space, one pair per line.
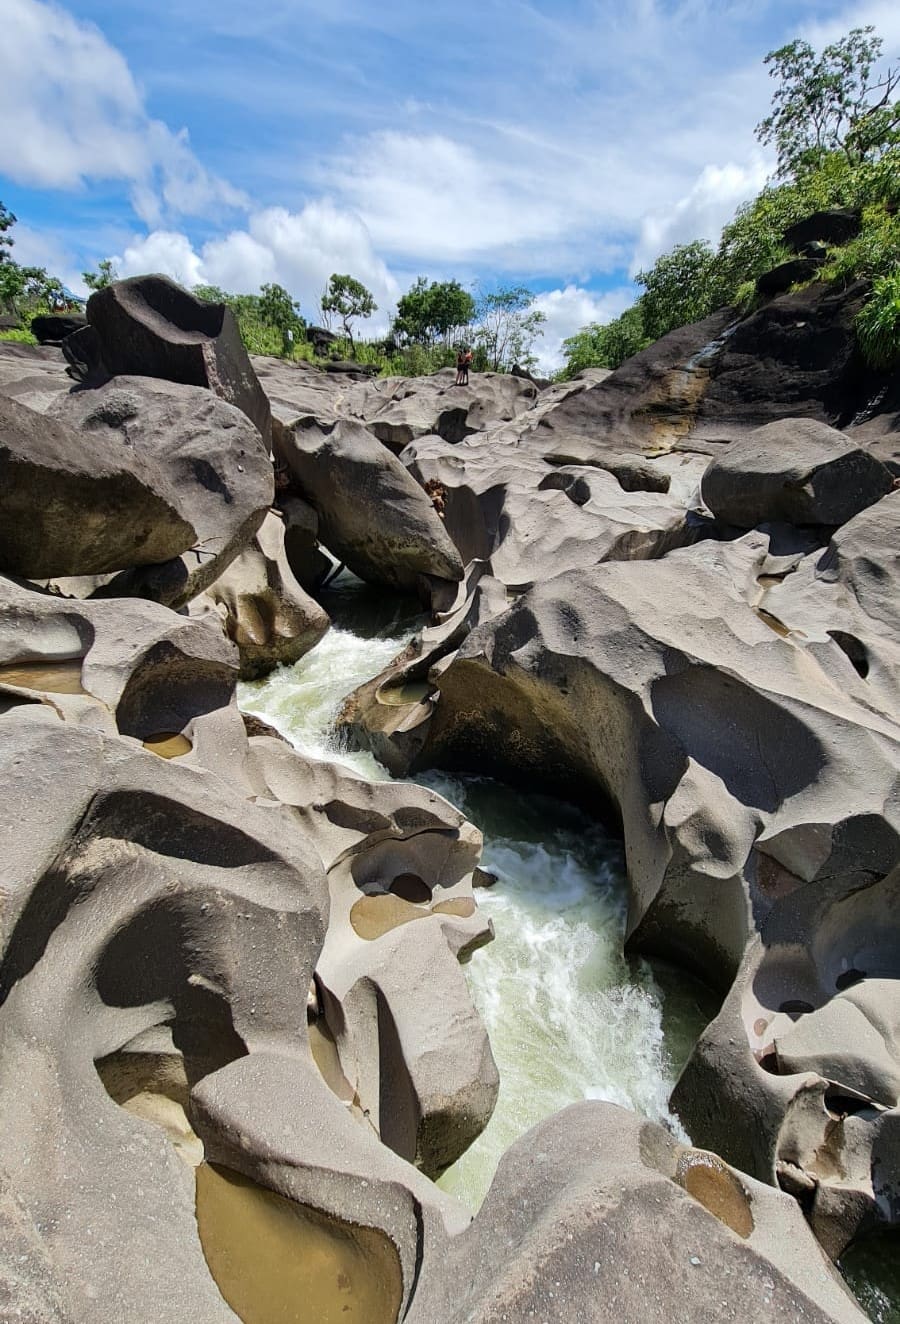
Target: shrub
878,323
19,335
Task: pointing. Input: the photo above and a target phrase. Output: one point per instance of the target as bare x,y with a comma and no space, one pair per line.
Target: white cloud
567,310
299,250
71,112
700,214
165,253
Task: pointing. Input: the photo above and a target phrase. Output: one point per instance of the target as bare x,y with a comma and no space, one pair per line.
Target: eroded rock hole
411,887
854,649
279,1262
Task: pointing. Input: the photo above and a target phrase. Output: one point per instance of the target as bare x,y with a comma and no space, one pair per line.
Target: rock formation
236,1040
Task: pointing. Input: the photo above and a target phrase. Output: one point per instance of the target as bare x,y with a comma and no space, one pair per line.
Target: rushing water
568,1016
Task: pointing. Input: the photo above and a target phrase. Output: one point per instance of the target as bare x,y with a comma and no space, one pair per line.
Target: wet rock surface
237,1042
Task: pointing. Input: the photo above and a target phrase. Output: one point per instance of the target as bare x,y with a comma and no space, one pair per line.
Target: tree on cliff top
346,298
830,102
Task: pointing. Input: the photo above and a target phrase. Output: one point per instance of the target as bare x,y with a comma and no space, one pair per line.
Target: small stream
569,1017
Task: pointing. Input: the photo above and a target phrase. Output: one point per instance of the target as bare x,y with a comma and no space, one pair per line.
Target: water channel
569,1017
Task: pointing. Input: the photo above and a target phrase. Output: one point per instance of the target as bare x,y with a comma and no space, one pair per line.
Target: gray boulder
198,448
78,505
399,861
262,607
600,1215
740,763
798,1077
150,327
309,564
372,515
798,471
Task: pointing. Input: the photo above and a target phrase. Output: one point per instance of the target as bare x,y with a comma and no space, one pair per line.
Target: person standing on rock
463,363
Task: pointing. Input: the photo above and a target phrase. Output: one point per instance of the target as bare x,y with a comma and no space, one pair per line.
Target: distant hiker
287,343
463,364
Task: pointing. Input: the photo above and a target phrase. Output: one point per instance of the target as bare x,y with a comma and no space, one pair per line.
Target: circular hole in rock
411,887
168,744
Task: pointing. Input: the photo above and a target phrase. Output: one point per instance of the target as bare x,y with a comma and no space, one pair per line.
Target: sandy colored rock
262,607
798,1077
601,1214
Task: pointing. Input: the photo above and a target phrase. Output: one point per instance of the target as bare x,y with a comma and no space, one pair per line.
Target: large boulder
75,504
150,327
835,225
798,1077
159,940
32,374
706,384
741,763
372,515
532,520
129,666
262,607
52,328
597,1215
400,862
400,409
197,447
786,274
797,471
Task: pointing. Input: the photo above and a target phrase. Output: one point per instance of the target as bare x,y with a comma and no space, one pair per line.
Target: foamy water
568,1017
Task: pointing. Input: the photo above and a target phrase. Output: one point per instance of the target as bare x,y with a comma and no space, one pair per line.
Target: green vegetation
433,316
347,298
836,130
506,327
878,325
103,276
24,291
605,346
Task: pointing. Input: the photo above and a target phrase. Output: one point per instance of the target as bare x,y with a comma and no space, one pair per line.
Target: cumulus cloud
71,112
299,250
567,310
700,214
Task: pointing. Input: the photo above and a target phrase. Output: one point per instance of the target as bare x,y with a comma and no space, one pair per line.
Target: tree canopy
427,314
830,102
836,128
506,327
347,298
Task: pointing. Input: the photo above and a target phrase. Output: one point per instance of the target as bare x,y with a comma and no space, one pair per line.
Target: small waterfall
569,1017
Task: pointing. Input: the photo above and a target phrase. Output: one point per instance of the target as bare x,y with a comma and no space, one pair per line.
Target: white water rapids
568,1016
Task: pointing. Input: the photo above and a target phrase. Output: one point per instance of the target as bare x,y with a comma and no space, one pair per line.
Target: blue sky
561,145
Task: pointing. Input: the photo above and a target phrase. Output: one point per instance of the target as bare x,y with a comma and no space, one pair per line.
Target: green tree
278,309
830,102
7,221
607,345
507,325
428,314
346,298
103,276
24,291
680,287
